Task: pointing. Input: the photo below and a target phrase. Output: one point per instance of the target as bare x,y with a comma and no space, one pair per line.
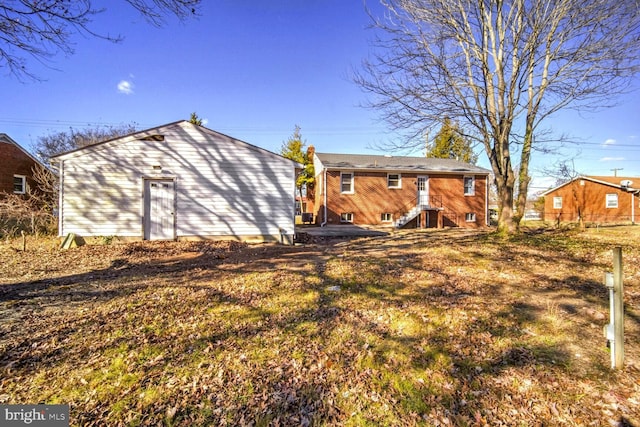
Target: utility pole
615,171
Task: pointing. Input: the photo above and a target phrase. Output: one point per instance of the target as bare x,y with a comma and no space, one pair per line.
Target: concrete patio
346,230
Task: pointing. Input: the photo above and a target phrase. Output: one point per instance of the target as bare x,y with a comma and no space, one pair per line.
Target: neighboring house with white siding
177,181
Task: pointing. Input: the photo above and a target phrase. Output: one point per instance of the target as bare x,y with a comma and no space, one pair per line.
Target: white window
469,186
557,203
394,180
19,184
346,217
612,200
386,217
346,182
470,217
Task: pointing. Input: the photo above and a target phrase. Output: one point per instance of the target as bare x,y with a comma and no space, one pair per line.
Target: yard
417,328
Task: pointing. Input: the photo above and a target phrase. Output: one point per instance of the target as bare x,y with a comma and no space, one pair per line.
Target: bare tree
32,212
59,142
41,29
500,68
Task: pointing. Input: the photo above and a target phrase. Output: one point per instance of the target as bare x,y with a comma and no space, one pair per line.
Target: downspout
324,189
633,206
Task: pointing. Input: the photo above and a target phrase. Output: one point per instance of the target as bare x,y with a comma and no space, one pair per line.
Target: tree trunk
523,177
506,218
507,223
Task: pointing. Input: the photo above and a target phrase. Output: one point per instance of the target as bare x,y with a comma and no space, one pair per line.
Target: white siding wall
223,187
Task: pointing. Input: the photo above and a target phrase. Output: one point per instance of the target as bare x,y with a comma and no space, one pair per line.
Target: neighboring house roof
156,134
8,140
396,163
611,181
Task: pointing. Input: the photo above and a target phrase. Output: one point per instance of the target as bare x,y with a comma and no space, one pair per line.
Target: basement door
423,190
159,218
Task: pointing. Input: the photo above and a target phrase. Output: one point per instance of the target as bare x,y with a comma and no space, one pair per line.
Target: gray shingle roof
396,163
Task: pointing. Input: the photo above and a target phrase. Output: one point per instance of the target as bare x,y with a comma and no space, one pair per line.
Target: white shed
177,181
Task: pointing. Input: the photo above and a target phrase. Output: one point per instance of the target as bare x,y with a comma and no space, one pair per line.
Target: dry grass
418,328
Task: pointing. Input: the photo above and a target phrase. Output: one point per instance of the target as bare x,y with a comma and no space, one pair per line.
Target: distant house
598,199
177,181
16,173
399,191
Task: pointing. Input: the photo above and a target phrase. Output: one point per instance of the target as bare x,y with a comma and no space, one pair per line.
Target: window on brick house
386,217
346,182
469,186
394,180
346,217
612,200
19,184
470,217
557,203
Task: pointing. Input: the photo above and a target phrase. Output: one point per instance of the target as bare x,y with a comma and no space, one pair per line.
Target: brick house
16,173
598,199
395,191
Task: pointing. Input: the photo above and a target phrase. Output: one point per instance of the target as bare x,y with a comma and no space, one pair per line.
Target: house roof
612,181
8,140
154,132
397,163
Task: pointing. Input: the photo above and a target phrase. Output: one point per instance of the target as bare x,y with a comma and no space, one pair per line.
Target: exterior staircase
404,219
430,203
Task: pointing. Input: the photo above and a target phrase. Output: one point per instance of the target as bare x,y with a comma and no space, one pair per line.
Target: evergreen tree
449,143
293,148
195,119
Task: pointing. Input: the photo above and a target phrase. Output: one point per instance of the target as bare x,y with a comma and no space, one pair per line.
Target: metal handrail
435,201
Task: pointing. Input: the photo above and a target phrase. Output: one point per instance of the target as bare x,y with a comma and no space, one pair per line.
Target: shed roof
397,163
155,132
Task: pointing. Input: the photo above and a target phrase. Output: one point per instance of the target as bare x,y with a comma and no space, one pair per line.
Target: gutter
324,188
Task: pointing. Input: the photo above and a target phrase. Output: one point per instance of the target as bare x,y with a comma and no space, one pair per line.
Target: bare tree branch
42,29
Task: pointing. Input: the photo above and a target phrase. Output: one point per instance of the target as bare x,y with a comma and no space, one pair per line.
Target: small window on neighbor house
612,200
469,186
346,182
557,203
346,217
394,180
19,184
386,217
470,217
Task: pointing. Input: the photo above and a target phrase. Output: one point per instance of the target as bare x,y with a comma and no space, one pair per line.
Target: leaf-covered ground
417,328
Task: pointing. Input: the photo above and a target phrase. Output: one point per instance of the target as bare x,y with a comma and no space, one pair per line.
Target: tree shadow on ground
346,339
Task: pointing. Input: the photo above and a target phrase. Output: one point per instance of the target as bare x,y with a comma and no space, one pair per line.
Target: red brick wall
456,204
14,161
588,199
372,197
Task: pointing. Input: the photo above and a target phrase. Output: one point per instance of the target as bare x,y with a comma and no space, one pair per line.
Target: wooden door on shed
159,218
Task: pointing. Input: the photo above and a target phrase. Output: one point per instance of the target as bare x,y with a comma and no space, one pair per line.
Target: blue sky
253,70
